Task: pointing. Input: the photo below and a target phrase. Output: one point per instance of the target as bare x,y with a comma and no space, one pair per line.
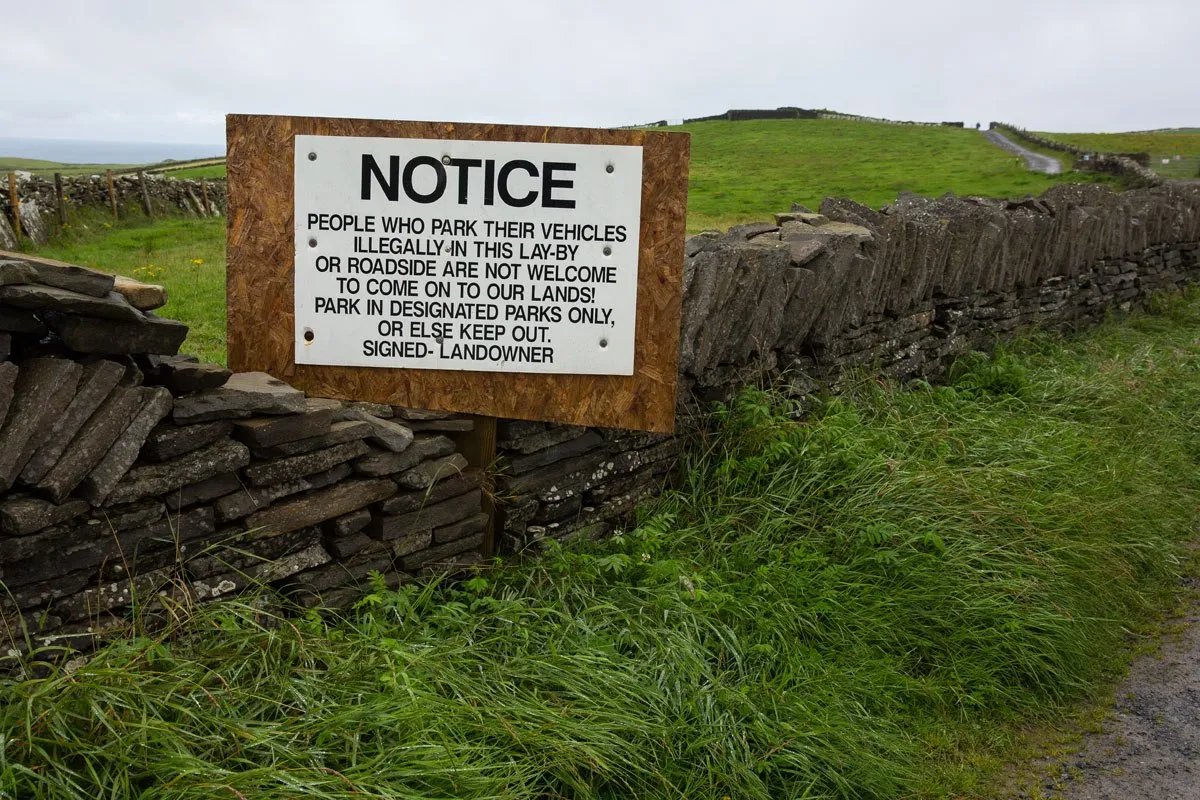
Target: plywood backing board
261,282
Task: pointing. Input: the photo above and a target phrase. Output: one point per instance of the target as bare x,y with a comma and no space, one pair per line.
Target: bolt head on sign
466,255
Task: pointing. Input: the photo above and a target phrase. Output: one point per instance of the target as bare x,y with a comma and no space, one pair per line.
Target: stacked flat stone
567,481
128,474
907,288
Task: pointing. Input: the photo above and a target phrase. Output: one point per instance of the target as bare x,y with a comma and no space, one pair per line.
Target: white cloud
169,71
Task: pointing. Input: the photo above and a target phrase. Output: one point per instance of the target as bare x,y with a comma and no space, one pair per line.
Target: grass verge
865,603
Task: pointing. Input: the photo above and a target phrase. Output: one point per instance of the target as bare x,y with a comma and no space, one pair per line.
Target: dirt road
1035,161
1150,747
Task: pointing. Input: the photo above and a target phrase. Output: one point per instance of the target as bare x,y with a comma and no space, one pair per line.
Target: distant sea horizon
82,151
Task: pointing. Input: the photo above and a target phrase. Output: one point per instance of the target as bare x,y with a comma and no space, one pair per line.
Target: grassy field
205,167
216,170
868,603
47,168
187,256
1159,144
744,171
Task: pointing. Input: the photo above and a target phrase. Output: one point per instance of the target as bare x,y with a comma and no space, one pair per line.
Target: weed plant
857,603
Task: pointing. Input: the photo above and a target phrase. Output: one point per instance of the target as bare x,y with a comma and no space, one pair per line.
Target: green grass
204,171
744,171
1184,142
205,167
166,253
47,168
862,604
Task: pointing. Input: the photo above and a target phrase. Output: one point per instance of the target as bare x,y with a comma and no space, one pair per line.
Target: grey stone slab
21,515
169,440
419,414
89,546
185,377
244,395
111,595
339,433
347,410
72,278
270,431
155,480
348,524
520,464
95,384
387,463
322,505
350,572
155,403
427,473
427,517
150,334
406,501
529,437
48,298
249,499
444,425
476,523
42,392
13,271
391,436
286,469
245,551
411,541
203,491
343,547
434,558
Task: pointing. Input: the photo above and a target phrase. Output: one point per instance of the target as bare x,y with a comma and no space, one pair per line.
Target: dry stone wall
807,298
128,471
39,205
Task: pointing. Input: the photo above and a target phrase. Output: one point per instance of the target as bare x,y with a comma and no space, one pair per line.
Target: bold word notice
467,255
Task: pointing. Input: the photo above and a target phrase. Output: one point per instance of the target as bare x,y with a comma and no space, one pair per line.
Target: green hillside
40,166
1183,142
746,170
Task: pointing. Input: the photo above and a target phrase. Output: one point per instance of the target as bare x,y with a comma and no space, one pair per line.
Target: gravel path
1035,161
1150,748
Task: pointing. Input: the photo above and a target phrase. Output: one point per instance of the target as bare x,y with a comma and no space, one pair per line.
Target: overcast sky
169,71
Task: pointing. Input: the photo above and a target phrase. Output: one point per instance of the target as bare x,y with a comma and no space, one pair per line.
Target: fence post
204,196
14,203
58,195
112,195
145,194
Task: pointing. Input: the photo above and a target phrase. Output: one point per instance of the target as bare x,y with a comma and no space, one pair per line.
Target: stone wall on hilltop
39,205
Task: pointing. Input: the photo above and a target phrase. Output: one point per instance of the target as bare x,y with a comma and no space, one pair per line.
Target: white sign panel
466,255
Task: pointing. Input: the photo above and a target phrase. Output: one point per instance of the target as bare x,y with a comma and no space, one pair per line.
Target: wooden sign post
504,271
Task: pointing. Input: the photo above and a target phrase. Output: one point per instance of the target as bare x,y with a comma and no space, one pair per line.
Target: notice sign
466,255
